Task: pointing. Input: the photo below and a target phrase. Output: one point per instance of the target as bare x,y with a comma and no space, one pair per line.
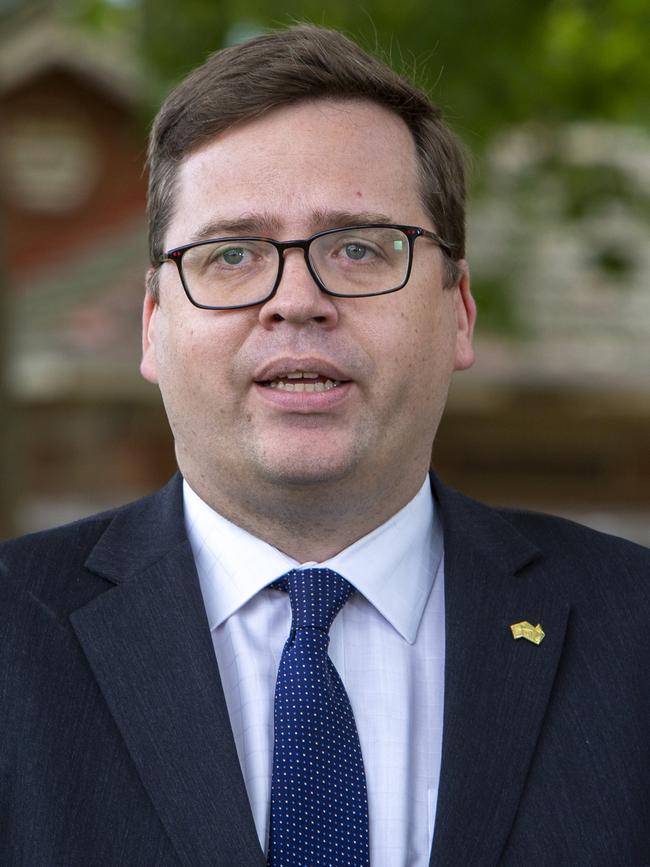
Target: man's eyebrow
246,224
268,226
322,219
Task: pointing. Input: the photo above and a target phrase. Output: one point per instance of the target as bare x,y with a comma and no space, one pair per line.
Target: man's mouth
302,380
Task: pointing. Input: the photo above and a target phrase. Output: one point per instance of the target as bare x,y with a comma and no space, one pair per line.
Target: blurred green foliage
596,59
487,64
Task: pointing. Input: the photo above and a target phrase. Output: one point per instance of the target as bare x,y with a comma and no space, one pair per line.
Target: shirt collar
394,566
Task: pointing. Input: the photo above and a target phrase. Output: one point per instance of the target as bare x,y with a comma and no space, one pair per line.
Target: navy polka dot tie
319,805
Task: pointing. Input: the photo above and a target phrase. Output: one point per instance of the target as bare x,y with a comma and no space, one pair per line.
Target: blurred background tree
487,64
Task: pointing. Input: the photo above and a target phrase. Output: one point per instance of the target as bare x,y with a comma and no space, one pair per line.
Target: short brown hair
286,67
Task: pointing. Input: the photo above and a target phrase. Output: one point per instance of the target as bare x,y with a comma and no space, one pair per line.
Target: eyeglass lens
235,271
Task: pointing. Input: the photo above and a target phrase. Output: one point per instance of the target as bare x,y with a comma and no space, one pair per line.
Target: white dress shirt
388,645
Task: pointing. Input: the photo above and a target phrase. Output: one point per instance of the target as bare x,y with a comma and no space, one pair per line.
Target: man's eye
356,251
232,255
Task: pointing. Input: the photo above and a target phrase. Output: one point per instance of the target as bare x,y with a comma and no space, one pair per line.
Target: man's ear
465,320
148,366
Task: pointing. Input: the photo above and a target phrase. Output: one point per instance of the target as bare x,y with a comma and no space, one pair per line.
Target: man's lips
303,385
301,374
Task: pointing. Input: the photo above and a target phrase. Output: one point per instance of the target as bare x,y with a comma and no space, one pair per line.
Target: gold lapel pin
528,631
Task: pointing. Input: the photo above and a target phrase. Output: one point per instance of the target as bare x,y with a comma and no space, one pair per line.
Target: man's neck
311,523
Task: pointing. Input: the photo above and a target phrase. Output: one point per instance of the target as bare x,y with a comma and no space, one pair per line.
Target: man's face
291,173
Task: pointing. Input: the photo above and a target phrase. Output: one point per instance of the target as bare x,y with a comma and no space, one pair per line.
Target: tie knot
316,596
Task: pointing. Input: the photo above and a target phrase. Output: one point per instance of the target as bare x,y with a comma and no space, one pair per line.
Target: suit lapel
496,688
148,643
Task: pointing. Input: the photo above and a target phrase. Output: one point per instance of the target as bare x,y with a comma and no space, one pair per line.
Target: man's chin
304,469
302,475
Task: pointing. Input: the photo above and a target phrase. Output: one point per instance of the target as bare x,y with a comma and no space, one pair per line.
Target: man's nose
298,298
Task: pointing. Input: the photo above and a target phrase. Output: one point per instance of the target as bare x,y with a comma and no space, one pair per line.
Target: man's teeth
296,385
303,386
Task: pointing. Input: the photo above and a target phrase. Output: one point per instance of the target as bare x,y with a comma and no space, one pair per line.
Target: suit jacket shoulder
147,528
577,555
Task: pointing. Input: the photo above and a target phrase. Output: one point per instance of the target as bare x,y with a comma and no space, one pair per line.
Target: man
485,698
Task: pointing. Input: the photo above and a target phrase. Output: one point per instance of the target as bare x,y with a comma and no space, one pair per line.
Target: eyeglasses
352,262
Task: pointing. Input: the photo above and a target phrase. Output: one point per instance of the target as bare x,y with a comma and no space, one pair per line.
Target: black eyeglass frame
412,233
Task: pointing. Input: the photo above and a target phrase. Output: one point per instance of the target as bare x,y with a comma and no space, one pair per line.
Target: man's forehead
328,130
299,170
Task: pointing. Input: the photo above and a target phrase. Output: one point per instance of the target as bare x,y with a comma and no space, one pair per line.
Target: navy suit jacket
115,743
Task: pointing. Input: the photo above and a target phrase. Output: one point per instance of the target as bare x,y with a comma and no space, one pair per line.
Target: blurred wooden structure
72,154
581,451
